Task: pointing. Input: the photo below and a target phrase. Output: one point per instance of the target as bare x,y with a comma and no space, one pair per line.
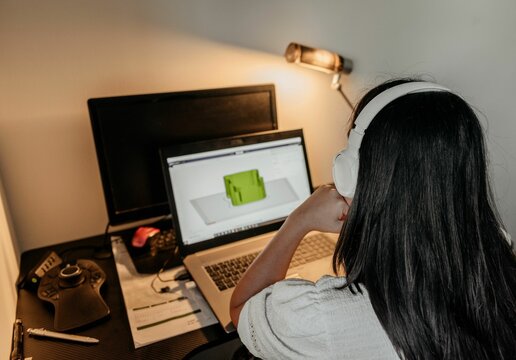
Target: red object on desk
142,234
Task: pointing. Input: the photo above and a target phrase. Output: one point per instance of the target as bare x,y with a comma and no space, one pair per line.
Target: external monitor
129,131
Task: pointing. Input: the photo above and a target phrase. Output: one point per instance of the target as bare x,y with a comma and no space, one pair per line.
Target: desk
113,332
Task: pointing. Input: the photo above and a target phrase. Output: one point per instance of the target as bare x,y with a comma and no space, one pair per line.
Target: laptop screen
227,188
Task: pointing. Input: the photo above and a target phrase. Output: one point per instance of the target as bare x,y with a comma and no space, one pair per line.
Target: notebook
228,197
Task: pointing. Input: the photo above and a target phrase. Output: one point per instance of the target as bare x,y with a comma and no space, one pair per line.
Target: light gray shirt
299,319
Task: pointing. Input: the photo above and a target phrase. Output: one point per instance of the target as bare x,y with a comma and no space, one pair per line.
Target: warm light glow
321,60
317,59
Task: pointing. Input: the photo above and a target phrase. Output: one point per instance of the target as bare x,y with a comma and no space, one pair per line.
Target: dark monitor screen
129,131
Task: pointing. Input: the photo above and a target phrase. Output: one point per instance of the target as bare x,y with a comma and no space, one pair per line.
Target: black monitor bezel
120,216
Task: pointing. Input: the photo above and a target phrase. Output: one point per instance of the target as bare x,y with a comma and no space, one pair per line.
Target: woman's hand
324,211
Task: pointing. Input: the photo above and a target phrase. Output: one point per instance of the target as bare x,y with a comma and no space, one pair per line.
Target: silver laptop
228,197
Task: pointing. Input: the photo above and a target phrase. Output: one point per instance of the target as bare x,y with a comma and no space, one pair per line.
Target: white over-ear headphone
345,164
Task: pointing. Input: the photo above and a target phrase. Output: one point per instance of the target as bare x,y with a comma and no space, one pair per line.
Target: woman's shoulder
335,290
295,302
326,285
296,316
327,292
331,282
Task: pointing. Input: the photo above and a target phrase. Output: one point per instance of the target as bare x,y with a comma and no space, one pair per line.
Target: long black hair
423,235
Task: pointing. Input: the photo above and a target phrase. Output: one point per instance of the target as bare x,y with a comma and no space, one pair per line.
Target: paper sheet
157,316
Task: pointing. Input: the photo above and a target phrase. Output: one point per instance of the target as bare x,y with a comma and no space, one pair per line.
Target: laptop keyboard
226,274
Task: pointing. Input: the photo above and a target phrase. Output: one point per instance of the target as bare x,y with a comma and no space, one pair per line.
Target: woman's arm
324,211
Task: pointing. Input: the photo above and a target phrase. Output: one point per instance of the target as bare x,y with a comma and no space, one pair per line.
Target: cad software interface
225,191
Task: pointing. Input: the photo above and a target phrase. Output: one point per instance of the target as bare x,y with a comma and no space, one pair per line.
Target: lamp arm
336,85
346,98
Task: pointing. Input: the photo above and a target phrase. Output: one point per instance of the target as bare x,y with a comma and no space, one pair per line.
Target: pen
62,336
17,347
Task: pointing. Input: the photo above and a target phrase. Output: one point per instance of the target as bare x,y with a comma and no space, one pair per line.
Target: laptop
228,197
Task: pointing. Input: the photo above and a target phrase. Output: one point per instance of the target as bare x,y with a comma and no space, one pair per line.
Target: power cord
183,275
104,251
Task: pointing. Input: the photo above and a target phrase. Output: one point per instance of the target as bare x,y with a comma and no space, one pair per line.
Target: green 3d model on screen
244,187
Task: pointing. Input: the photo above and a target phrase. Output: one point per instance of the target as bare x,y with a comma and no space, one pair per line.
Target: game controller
74,291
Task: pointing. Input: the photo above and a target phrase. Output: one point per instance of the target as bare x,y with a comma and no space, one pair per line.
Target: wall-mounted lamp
321,60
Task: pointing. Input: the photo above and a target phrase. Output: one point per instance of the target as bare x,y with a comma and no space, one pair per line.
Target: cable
99,252
64,257
104,251
159,291
106,232
179,276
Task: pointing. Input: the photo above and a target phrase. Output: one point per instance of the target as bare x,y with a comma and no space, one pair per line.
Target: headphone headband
345,164
384,98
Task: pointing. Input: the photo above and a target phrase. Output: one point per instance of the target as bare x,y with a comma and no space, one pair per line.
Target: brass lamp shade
317,59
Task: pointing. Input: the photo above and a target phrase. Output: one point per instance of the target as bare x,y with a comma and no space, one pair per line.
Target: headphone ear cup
345,164
345,173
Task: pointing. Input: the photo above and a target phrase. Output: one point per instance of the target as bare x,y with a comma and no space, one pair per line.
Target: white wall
56,54
8,274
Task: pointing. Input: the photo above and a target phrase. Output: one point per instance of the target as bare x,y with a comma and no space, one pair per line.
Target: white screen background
196,179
